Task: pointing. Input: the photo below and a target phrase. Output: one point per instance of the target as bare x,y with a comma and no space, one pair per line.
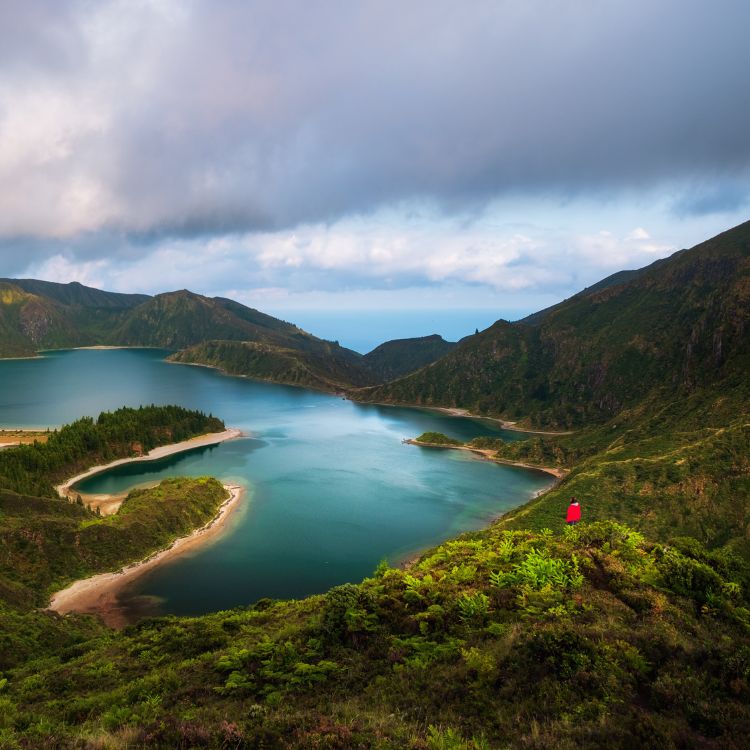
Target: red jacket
574,512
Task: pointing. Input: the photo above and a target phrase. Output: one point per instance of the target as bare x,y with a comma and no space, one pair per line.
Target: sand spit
99,594
214,438
489,455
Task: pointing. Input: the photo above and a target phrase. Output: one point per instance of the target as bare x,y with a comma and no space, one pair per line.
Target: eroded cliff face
36,320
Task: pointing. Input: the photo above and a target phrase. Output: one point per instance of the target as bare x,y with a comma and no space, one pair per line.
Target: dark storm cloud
162,118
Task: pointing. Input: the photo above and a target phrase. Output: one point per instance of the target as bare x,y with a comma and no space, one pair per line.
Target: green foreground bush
498,639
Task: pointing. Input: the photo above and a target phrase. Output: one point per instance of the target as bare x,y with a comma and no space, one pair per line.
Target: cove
332,488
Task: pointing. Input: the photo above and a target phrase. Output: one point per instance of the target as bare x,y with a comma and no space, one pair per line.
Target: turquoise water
332,489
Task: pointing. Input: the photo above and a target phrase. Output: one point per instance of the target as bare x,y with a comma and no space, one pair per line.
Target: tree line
34,469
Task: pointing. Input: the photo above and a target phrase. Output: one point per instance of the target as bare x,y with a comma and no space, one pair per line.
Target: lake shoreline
455,411
279,405
255,378
347,394
99,594
487,455
410,558
65,489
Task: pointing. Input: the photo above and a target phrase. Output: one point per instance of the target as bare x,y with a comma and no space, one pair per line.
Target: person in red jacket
574,512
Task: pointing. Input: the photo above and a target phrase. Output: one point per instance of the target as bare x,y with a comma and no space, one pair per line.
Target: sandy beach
109,504
99,594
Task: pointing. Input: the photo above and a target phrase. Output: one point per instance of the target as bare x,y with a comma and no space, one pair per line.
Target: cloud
163,119
721,196
478,259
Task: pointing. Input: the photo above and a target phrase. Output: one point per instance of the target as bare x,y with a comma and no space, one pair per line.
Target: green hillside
502,638
36,315
631,629
48,542
651,373
29,322
324,366
76,294
71,542
175,320
393,359
596,638
666,333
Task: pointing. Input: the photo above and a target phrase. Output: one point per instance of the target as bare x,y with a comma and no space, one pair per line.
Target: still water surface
332,489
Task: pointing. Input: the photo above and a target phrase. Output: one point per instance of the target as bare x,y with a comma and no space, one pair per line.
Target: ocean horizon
363,330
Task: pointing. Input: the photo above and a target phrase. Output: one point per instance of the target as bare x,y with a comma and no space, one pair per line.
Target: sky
317,158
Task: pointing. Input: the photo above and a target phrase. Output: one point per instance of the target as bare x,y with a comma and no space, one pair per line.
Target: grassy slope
506,637
49,543
394,359
498,639
29,322
670,468
324,367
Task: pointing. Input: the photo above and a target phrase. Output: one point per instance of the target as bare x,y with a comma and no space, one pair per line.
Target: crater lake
331,488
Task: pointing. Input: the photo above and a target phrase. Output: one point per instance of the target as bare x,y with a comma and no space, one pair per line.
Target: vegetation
509,639
47,543
325,367
679,483
215,331
394,359
175,320
631,629
77,295
485,442
34,469
671,469
436,438
665,333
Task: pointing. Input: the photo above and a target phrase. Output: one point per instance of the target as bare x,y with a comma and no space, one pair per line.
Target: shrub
473,607
538,570
487,443
688,577
347,613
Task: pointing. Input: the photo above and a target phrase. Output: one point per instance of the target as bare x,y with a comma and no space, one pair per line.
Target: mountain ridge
397,357
525,634
599,352
41,315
